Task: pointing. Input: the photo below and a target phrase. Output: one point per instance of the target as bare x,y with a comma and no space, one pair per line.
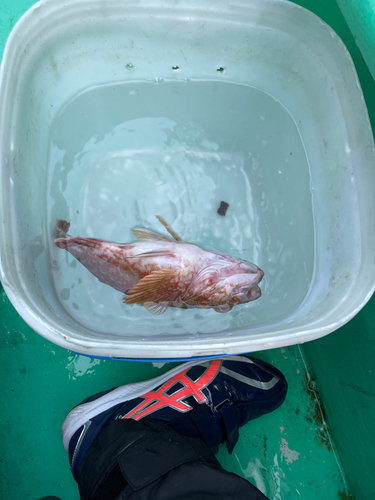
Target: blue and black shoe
209,400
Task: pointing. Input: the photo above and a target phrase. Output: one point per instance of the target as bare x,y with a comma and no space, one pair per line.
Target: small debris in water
222,210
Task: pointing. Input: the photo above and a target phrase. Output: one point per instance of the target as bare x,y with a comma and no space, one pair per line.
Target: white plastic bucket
312,231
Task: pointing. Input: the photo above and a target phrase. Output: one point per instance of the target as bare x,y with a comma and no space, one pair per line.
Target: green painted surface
41,382
343,366
289,454
10,12
343,362
360,16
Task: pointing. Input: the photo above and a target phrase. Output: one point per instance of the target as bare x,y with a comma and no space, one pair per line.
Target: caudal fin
63,227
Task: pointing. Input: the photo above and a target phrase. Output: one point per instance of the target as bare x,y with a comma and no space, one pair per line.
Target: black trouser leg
132,460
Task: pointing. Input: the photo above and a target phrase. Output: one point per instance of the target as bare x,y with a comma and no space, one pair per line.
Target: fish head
237,289
243,287
225,284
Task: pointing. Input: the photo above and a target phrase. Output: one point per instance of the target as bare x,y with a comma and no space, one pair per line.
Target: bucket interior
119,154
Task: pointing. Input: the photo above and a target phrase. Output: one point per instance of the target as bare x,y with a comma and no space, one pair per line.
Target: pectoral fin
157,287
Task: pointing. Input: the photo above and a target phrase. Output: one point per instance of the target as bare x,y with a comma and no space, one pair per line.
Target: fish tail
68,242
62,243
63,227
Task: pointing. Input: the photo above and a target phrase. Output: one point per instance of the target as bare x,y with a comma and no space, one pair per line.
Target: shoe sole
77,417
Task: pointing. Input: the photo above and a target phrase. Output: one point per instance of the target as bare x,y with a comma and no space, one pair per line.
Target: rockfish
158,273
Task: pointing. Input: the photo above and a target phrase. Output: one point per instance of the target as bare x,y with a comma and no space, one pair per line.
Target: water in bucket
120,154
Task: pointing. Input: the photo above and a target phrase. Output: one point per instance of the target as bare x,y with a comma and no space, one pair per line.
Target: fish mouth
248,267
247,282
254,293
261,274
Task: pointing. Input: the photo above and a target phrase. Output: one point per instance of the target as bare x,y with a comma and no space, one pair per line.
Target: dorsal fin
169,228
146,234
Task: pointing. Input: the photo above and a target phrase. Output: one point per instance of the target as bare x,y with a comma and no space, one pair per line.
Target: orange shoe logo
155,400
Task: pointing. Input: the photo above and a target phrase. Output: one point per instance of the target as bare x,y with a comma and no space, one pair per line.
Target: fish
158,273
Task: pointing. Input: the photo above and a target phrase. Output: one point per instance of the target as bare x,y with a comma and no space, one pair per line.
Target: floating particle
222,210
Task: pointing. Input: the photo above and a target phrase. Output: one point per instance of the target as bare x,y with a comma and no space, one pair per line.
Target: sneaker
209,399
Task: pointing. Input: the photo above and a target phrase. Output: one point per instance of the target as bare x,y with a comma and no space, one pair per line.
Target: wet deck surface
288,454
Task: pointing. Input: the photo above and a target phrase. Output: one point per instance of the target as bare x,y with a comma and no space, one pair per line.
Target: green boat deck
294,453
